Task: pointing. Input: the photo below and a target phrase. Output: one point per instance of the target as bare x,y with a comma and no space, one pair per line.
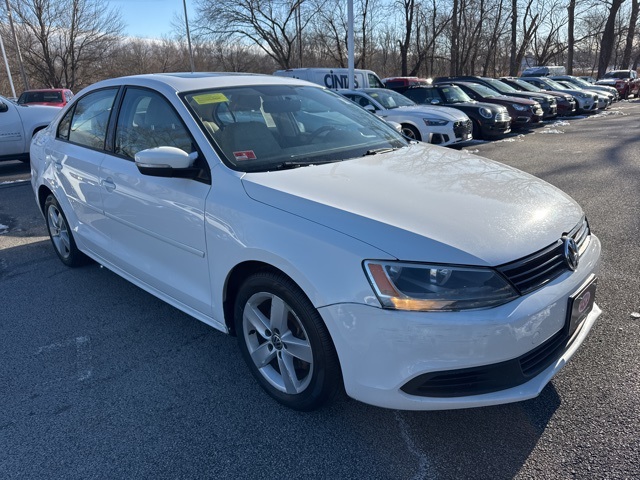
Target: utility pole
6,64
350,45
15,40
186,21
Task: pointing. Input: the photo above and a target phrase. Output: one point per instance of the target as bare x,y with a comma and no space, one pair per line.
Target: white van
334,78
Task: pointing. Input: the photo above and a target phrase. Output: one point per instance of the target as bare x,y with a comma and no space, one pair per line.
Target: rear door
75,155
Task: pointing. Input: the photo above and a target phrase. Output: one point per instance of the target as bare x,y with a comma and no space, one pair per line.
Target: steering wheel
322,130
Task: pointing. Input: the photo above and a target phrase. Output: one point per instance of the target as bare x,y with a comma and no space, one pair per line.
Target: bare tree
63,40
571,12
608,37
268,24
626,57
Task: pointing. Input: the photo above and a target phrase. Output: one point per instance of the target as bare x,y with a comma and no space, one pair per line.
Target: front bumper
381,350
567,108
586,104
551,111
453,132
495,129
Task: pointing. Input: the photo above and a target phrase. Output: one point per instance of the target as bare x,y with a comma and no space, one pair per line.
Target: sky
151,18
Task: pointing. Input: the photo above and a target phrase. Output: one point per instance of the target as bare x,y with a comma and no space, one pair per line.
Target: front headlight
518,107
485,112
583,95
435,122
423,287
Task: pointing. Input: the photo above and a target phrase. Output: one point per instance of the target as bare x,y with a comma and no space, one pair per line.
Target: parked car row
496,106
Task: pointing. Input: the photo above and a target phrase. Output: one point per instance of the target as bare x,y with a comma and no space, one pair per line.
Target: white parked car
445,126
18,123
338,252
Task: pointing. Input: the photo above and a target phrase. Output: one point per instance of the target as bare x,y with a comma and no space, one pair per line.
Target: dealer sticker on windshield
581,303
244,155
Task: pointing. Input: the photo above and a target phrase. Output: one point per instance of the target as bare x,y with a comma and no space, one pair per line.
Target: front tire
61,236
411,132
285,342
476,130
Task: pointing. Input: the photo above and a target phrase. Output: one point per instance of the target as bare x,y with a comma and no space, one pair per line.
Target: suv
53,97
398,82
546,101
586,101
522,110
626,82
488,119
580,83
565,102
445,126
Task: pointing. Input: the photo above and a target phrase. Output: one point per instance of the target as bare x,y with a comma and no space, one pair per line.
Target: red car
626,82
55,97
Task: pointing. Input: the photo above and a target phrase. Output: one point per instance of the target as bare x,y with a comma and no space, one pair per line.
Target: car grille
489,378
537,269
461,127
503,117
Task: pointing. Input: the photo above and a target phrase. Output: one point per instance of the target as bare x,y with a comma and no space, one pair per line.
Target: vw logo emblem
571,254
277,341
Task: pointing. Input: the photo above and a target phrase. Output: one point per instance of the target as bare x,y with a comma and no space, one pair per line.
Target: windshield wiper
290,164
376,151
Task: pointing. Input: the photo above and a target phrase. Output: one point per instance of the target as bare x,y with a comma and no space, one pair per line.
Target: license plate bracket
581,304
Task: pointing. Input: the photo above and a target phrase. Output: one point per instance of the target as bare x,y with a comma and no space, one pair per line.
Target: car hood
425,203
575,91
474,106
515,99
446,113
540,97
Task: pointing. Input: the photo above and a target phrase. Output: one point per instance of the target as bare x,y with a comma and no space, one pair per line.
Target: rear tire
285,342
61,236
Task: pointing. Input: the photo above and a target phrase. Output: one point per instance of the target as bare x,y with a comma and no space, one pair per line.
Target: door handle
108,184
57,163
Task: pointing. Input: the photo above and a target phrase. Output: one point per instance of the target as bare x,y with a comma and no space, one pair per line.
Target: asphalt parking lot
101,380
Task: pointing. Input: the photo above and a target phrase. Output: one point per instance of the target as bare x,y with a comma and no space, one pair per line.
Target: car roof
45,90
187,81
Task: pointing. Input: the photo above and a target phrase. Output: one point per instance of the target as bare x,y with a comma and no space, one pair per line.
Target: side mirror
166,162
435,101
3,107
370,108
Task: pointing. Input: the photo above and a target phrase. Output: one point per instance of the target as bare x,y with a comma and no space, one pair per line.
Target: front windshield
527,86
389,99
485,91
553,84
454,94
617,74
500,86
270,127
579,81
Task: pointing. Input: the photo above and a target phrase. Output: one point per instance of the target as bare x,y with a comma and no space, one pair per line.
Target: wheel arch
236,276
413,126
43,193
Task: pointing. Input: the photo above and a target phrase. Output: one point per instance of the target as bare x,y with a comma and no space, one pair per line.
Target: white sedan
442,125
335,250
